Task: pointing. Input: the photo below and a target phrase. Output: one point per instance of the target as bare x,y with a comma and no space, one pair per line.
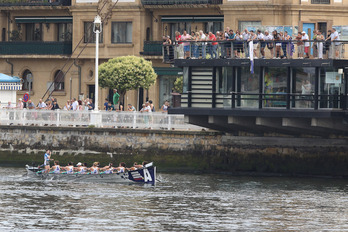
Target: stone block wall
177,150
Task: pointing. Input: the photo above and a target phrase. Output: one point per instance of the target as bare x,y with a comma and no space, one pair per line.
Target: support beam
242,121
302,123
330,123
269,122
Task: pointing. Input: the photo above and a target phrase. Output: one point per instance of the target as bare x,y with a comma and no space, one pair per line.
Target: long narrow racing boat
146,175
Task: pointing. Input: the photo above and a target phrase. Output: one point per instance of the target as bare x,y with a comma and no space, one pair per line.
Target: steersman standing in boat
47,159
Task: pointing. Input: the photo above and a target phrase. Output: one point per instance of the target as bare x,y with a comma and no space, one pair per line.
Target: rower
80,168
94,169
70,168
121,167
108,169
56,167
47,158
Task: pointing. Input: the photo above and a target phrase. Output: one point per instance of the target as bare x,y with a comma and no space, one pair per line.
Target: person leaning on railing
320,38
167,45
203,44
336,45
179,49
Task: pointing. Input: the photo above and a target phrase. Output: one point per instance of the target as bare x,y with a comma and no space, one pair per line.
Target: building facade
53,41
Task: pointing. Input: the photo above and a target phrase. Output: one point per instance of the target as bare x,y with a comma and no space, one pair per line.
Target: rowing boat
146,175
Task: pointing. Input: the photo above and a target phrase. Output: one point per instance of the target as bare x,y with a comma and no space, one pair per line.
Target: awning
192,18
163,71
43,19
10,83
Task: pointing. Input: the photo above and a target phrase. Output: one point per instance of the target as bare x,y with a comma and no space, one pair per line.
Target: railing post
57,115
134,120
169,121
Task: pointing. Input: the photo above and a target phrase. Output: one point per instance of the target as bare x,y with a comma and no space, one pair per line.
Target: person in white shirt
269,37
305,38
246,35
336,45
146,108
9,105
75,104
41,105
260,37
204,44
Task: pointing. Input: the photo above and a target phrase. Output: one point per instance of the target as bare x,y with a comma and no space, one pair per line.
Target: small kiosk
8,89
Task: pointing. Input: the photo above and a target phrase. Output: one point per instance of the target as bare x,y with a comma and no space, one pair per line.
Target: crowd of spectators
235,44
84,105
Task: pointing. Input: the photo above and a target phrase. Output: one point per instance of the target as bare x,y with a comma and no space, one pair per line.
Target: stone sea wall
177,150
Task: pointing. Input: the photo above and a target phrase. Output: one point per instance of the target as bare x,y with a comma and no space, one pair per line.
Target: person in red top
179,49
213,46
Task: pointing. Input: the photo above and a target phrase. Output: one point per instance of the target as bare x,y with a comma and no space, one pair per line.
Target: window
249,24
89,34
64,32
33,31
27,75
121,32
213,27
320,2
59,81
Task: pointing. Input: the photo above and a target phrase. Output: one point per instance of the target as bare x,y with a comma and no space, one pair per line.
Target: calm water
181,202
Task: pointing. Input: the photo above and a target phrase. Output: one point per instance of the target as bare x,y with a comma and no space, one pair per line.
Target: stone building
54,41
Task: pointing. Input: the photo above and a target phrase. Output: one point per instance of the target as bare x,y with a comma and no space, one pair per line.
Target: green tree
126,73
178,84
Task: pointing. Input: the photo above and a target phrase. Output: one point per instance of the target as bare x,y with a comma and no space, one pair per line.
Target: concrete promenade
177,150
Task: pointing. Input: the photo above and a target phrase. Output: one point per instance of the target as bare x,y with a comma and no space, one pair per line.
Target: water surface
180,202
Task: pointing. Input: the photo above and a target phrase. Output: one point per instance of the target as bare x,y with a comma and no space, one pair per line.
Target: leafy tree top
127,73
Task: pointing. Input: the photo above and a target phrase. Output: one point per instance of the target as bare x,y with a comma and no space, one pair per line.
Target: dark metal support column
189,100
345,94
316,88
260,86
213,97
288,89
233,103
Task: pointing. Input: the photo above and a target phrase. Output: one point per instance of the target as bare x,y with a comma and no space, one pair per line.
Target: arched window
27,75
59,81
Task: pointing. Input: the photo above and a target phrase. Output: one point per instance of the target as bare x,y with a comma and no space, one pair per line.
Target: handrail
35,3
285,49
102,119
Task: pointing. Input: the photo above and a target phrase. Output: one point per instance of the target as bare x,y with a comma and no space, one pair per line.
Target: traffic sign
25,97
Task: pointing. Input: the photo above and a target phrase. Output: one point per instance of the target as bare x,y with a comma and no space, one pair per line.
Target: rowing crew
81,168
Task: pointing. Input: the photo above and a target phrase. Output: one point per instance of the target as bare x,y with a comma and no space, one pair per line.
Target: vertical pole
213,97
233,103
189,89
288,89
316,88
96,100
260,87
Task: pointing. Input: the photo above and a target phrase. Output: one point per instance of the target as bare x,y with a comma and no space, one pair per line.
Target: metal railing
35,48
152,48
35,3
268,100
285,49
62,118
180,2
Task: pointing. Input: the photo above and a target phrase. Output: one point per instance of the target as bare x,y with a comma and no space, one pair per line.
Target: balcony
35,3
152,48
35,48
180,2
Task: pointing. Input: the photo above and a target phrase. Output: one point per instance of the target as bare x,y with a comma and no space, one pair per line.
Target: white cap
303,32
79,164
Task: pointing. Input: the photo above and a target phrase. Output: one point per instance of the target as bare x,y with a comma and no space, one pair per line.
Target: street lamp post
97,29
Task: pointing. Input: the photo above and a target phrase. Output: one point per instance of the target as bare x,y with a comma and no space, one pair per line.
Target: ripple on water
181,202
